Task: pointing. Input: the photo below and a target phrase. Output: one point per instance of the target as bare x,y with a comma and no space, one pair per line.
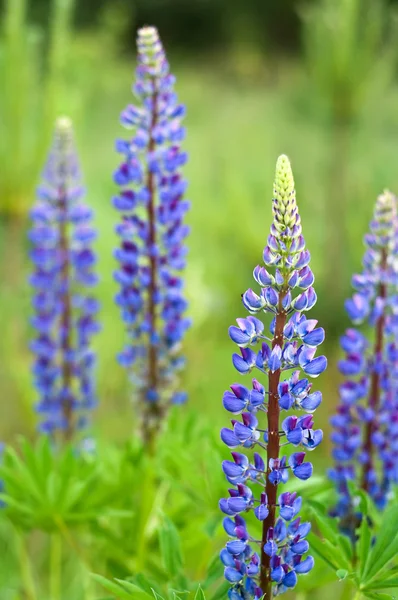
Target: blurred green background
315,80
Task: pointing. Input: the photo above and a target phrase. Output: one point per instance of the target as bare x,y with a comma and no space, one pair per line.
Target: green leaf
364,546
214,571
134,590
42,487
345,545
10,501
145,584
16,477
330,553
177,595
383,584
112,587
379,596
326,525
341,574
157,596
221,591
170,547
200,595
386,546
318,548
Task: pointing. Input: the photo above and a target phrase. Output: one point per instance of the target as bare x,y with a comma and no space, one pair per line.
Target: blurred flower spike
64,307
151,254
365,427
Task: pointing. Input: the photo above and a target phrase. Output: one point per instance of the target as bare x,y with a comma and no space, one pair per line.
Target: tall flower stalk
286,292
365,428
64,307
151,254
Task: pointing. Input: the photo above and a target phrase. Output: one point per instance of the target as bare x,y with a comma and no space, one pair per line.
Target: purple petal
229,438
303,471
316,366
305,566
261,512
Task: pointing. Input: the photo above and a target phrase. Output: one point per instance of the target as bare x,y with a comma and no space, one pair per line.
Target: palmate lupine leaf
200,595
329,545
172,581
170,547
51,492
125,590
118,591
379,572
363,546
373,567
379,596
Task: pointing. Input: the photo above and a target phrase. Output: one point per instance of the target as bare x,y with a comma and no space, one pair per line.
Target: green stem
350,592
55,566
84,564
25,568
272,450
147,499
87,582
63,528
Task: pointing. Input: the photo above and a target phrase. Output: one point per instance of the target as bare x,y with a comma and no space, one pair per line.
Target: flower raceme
152,231
365,427
270,566
64,307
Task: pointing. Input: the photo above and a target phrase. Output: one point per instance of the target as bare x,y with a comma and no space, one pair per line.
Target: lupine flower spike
63,277
151,232
268,564
365,428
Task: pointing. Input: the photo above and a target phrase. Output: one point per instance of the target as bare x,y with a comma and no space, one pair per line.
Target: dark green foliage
369,565
54,491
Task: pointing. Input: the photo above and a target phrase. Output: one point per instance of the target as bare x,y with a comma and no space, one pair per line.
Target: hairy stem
66,317
272,450
374,394
55,566
153,406
348,591
66,534
27,578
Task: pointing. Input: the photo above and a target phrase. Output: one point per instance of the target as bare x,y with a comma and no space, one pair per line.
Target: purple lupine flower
365,432
63,277
151,255
270,566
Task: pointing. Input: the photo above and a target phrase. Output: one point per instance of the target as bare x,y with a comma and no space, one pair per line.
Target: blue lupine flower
64,308
274,567
365,433
152,232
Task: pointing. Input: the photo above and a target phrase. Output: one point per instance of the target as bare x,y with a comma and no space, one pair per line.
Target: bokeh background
316,80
